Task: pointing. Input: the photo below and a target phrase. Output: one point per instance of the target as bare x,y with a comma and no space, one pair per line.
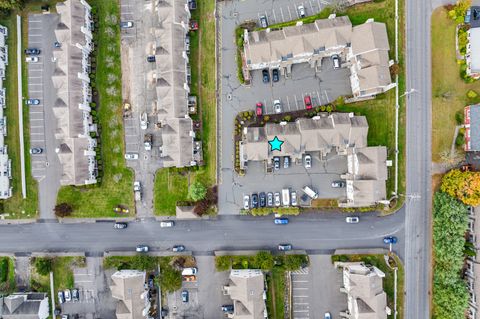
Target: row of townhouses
179,147
5,162
72,107
472,271
363,49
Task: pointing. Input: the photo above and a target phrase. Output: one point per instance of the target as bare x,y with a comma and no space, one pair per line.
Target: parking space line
326,95
311,7
35,35
289,13
301,303
299,280
300,296
288,103
274,16
299,288
301,310
296,101
281,13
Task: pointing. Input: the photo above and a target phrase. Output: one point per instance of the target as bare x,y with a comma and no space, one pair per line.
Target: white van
310,192
189,271
285,197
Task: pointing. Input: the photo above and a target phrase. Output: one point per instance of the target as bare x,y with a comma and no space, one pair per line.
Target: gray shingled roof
475,127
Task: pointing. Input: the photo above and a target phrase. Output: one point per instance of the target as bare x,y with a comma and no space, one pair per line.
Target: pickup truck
137,188
147,142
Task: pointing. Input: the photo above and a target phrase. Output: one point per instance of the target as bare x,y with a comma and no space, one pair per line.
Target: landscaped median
115,180
172,184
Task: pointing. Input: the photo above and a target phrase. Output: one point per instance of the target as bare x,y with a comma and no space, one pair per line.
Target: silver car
277,199
270,199
293,199
277,106
246,202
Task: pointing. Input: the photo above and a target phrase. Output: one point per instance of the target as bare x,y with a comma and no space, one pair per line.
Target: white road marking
299,288
288,103
281,13
296,101
289,13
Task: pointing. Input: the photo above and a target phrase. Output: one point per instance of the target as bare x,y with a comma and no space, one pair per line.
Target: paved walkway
22,273
20,104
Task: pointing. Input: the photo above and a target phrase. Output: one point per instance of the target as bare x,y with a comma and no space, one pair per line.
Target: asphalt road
315,233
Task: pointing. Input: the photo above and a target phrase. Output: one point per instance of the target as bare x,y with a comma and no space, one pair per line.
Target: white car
246,202
31,59
293,198
301,11
131,156
137,186
277,106
277,199
142,249
307,161
352,220
143,121
168,223
68,295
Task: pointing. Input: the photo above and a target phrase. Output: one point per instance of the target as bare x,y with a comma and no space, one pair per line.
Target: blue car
390,240
185,296
281,221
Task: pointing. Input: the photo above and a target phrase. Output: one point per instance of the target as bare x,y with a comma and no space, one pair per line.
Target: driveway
323,87
46,168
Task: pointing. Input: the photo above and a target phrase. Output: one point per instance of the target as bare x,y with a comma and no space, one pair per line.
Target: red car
259,109
193,25
308,102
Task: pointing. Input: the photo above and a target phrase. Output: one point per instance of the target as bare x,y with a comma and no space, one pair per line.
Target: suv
284,247
142,249
120,225
259,109
150,58
167,223
338,184
265,76
308,102
185,296
263,199
277,106
275,75
336,61
263,21
178,248
276,163
307,160
254,200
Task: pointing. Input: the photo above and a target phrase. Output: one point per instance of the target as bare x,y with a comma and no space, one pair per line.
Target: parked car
262,199
263,21
68,295
390,240
61,297
327,315
32,51
32,102
150,58
277,199
31,59
293,198
65,316
131,156
281,221
336,61
142,249
36,150
276,163
265,76
277,106
167,223
254,200
178,248
284,247
227,308
308,102
286,162
56,44
275,75
259,109
246,202
75,295
301,11
352,220
120,225
189,271
270,199
126,24
338,184
192,4
307,161
185,296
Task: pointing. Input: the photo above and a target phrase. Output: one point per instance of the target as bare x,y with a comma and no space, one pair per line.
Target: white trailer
286,197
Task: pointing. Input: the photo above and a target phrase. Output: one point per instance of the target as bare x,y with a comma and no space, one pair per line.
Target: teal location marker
276,144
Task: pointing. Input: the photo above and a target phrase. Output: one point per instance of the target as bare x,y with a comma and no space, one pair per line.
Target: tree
223,263
465,186
7,5
264,260
169,279
43,266
63,210
197,191
294,262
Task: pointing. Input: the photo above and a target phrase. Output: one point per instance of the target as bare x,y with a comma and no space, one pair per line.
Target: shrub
471,94
460,139
170,279
63,210
43,266
197,191
3,269
459,117
223,263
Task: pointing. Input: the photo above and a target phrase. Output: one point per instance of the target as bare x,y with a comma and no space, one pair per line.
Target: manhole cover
229,97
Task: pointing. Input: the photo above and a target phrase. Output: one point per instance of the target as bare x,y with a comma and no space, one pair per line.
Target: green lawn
62,268
276,293
388,282
117,180
7,275
448,89
17,207
171,184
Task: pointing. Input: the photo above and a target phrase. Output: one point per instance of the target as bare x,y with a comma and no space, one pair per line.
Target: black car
263,199
32,51
150,281
227,308
192,4
120,225
151,58
276,163
254,201
265,76
275,75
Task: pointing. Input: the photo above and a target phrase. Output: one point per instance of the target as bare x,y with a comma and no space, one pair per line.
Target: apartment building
363,49
5,162
472,56
72,110
128,286
472,128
